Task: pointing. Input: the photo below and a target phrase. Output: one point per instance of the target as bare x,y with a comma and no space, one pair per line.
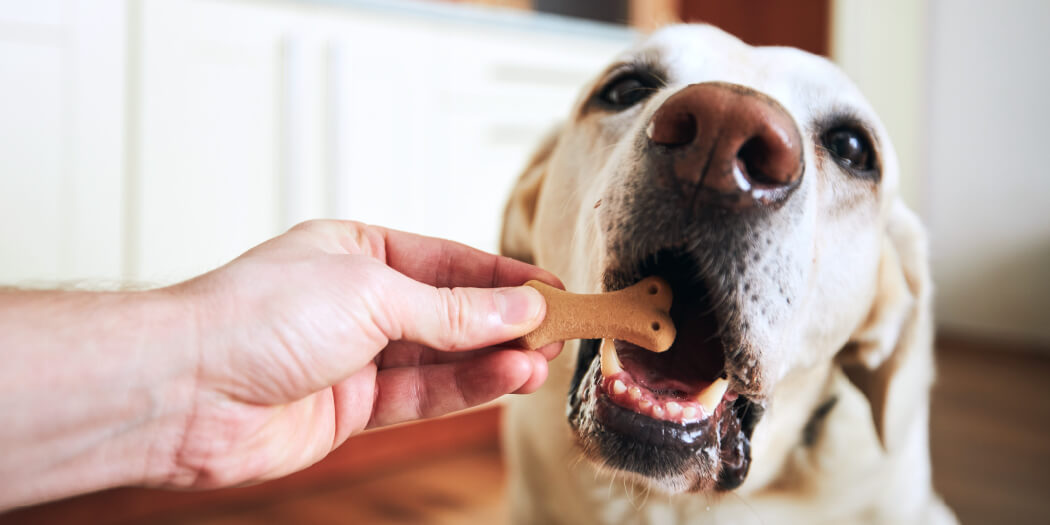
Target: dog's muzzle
713,153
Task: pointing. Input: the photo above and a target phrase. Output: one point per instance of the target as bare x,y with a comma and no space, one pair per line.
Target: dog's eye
627,90
851,148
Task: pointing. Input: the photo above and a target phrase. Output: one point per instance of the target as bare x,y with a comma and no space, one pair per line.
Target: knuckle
330,225
311,225
456,315
423,404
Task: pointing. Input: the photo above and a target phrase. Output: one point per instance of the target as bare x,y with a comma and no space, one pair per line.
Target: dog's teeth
650,129
658,411
673,409
711,396
619,387
634,392
609,360
689,412
645,404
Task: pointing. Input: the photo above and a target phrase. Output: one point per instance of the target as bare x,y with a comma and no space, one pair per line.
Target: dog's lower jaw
706,456
612,453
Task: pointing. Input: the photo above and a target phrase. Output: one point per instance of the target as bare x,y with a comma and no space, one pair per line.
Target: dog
761,185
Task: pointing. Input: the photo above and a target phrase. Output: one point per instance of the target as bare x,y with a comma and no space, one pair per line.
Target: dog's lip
711,444
643,428
717,449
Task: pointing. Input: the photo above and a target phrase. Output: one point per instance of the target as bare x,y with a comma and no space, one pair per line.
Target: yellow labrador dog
762,186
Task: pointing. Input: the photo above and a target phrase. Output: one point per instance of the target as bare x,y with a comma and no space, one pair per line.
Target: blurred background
147,141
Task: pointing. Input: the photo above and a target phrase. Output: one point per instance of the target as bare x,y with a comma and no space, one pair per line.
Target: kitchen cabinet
198,128
61,141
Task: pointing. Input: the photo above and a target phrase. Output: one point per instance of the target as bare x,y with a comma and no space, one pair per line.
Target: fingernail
518,305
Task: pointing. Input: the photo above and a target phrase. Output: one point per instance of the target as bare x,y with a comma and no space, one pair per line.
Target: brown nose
733,146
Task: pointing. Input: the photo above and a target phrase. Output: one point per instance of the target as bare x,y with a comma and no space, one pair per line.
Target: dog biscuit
638,314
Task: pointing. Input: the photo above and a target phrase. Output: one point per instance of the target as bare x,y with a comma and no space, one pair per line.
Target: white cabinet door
61,141
257,115
436,118
155,139
206,182
493,105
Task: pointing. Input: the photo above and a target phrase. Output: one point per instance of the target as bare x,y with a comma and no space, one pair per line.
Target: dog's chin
672,420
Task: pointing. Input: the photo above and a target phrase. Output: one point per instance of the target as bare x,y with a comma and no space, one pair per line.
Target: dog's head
761,185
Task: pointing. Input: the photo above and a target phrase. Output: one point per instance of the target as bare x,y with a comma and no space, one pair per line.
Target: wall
987,198
61,140
960,86
880,45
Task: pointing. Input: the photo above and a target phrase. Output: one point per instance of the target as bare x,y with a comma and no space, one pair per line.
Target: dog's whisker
648,490
747,504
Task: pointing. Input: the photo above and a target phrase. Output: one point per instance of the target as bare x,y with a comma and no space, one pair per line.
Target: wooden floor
991,454
990,432
466,487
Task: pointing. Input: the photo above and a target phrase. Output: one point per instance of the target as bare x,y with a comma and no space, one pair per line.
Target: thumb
466,318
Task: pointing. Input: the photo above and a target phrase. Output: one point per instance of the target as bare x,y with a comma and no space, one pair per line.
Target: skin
259,368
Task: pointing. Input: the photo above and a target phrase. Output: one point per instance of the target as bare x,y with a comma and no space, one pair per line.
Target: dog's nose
731,144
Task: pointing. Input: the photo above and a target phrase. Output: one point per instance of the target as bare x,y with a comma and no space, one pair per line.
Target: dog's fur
827,297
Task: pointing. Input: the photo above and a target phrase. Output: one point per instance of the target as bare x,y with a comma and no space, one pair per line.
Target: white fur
860,277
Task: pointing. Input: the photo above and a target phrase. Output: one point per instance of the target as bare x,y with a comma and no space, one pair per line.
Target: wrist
140,361
98,389
169,333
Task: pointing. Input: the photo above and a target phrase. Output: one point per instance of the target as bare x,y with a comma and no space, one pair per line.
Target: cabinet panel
383,100
493,110
438,119
35,13
156,139
206,172
254,116
31,161
61,141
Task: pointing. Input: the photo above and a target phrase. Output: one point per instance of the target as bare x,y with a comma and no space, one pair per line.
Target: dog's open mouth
672,416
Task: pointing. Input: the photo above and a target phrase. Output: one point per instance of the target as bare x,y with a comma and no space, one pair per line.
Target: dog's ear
520,213
898,329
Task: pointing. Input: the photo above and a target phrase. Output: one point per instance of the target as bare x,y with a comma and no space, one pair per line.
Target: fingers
549,352
404,353
444,263
458,310
459,318
405,394
327,236
431,260
353,398
539,374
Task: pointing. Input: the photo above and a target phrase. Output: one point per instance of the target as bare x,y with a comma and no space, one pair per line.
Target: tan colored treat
638,314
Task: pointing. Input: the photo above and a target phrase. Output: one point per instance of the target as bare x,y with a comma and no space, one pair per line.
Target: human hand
335,327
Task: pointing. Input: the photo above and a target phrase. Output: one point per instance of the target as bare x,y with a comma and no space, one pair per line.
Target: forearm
93,390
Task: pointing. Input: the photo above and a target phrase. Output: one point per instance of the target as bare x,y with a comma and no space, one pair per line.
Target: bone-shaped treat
638,314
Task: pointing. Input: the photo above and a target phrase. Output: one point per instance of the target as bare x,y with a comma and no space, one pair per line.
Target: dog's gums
659,397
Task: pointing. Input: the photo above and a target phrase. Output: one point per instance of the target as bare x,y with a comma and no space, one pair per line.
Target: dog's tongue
655,375
671,374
